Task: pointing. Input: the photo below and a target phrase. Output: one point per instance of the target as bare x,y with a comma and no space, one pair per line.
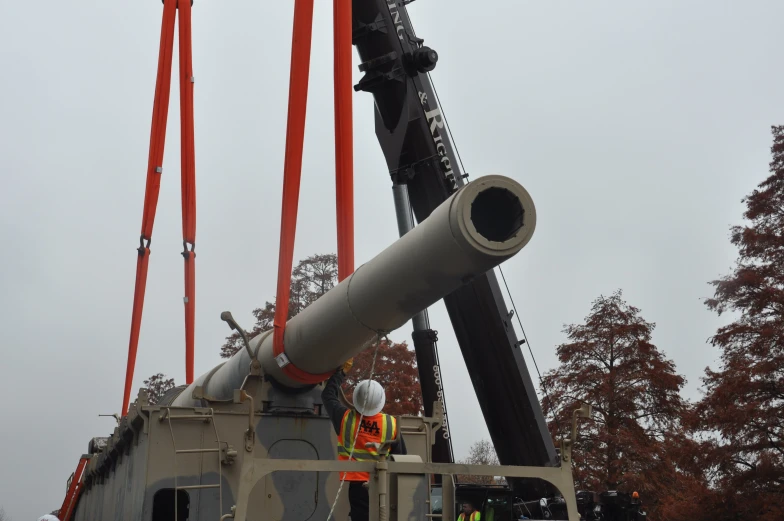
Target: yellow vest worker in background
375,427
469,513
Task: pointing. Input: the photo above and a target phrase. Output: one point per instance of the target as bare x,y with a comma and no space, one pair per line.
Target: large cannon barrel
484,223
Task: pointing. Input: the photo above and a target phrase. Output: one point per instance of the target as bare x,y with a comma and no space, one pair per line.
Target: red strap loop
292,170
188,176
344,137
160,113
292,166
136,319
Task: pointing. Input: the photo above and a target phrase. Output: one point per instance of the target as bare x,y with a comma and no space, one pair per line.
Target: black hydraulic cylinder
430,381
425,345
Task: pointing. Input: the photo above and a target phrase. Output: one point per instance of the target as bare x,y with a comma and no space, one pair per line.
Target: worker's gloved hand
348,365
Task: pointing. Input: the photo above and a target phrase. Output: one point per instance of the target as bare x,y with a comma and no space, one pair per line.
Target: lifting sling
292,170
160,113
295,132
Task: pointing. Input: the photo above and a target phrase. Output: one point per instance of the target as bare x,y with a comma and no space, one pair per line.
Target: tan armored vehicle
247,441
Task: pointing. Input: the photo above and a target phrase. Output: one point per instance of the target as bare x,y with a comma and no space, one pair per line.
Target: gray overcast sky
637,128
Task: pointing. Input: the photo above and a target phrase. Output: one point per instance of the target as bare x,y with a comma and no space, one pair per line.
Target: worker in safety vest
375,427
469,513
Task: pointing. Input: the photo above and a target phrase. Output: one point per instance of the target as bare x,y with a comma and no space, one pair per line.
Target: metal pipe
383,490
483,224
405,223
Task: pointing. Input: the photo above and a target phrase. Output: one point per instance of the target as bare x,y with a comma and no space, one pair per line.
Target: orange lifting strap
74,490
160,114
344,166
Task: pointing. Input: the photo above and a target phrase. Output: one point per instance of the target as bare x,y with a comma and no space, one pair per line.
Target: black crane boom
411,129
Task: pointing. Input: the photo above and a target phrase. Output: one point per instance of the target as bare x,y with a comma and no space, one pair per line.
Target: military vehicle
247,441
250,440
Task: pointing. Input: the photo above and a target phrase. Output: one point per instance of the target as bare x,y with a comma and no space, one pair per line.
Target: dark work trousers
359,500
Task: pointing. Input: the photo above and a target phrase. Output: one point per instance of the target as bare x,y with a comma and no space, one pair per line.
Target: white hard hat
369,397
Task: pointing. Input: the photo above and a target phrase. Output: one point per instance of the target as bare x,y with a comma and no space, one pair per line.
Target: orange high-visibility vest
374,429
475,516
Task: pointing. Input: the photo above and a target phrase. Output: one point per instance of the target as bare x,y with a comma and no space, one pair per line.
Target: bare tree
3,515
481,453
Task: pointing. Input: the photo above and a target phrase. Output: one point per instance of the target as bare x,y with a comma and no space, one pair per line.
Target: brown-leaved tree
610,362
310,279
396,370
156,386
395,366
741,416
